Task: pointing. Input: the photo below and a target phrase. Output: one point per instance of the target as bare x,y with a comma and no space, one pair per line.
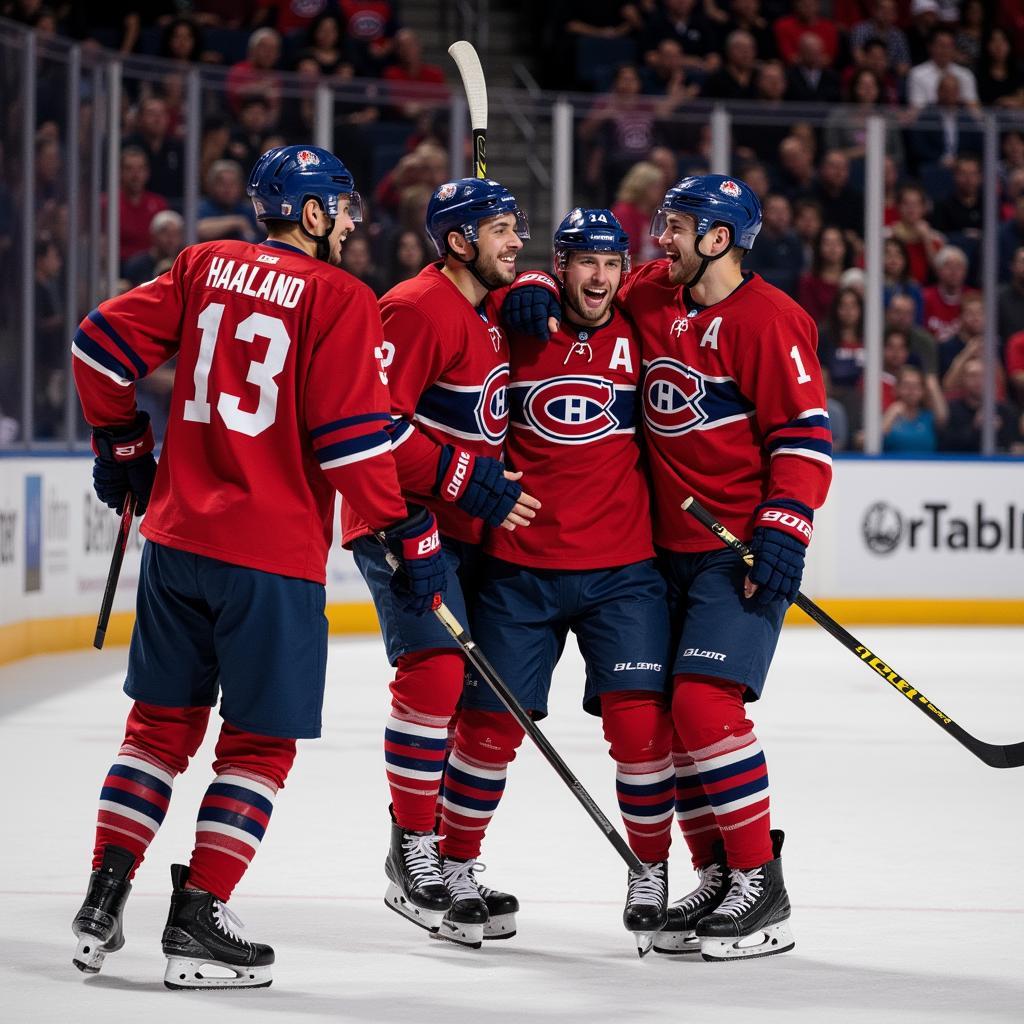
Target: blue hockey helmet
284,178
461,205
590,230
713,199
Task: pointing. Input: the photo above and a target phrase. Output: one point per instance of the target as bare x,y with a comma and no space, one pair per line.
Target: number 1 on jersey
802,375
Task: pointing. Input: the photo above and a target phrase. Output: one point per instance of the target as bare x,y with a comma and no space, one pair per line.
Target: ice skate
468,917
753,919
646,908
98,923
204,946
502,908
413,866
678,935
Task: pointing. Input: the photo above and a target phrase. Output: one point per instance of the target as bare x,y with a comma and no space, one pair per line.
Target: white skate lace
458,876
648,886
228,921
421,858
710,880
745,888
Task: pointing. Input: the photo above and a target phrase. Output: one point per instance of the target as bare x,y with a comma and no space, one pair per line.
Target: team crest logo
307,158
446,191
730,188
673,394
571,410
492,408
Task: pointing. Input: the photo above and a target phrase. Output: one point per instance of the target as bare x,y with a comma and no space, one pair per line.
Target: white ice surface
903,859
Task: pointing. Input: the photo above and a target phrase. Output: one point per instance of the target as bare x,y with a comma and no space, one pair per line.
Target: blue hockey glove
477,485
124,462
532,298
419,579
782,531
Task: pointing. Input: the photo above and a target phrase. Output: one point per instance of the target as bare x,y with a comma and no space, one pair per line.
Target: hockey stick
468,63
116,558
1009,755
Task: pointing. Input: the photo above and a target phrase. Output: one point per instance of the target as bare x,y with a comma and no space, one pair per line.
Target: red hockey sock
424,695
638,728
235,811
158,743
711,722
485,743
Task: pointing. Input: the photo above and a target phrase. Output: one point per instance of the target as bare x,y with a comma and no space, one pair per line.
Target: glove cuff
415,537
454,471
124,445
540,279
791,517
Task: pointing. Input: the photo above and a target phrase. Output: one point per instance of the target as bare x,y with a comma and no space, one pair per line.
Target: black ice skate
678,935
413,866
204,946
502,908
98,924
466,920
753,919
646,904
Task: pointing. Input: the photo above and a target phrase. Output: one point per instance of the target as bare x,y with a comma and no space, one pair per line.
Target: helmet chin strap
322,242
470,265
706,261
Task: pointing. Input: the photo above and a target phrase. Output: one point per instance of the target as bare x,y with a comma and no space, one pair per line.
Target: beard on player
589,284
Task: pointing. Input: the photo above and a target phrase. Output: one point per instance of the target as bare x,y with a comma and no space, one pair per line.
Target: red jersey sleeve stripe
399,431
349,421
99,359
355,449
101,322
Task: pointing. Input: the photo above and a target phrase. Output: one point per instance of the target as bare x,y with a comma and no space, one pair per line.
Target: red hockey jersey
279,399
447,363
733,402
572,404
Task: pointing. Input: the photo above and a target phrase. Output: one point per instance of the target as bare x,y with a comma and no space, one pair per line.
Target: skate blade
676,943
395,899
184,973
644,942
89,955
776,938
501,926
469,935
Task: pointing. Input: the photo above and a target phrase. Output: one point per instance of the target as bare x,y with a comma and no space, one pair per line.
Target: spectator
50,341
253,127
817,289
427,80
760,139
686,22
138,206
735,79
924,19
1012,149
777,257
846,129
357,259
1000,82
964,425
640,193
426,165
665,160
896,277
165,154
666,70
921,241
970,32
408,256
167,239
256,75
1011,237
370,28
807,224
943,300
223,210
324,43
841,203
810,80
883,26
895,355
181,40
1015,366
841,342
805,20
1010,303
796,175
968,342
945,130
746,15
923,80
961,213
912,422
899,315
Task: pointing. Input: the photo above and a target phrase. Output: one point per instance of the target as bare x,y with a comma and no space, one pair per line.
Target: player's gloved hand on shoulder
477,484
532,300
124,462
782,531
421,572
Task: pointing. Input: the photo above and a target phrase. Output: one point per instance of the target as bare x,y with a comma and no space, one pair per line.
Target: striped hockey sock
693,811
414,756
133,802
646,794
233,819
472,791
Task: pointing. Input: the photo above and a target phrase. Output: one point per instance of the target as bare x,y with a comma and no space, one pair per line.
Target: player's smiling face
591,280
678,240
343,227
498,246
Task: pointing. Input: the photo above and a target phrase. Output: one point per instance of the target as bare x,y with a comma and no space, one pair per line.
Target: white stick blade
465,56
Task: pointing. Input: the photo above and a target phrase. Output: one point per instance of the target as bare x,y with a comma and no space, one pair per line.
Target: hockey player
734,413
585,565
447,361
280,399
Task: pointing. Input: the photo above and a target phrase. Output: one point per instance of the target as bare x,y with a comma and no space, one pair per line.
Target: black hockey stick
1009,755
116,558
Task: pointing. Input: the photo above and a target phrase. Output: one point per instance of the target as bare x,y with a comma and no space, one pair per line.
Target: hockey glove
477,485
421,572
782,531
532,298
124,462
